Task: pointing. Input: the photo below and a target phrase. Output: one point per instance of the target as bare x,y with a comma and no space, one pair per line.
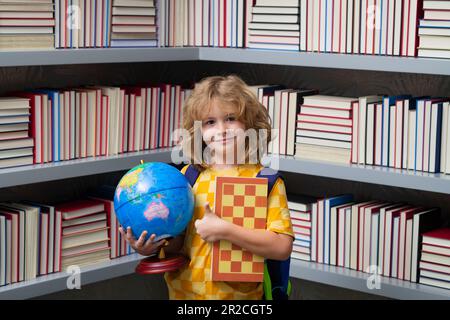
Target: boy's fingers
141,239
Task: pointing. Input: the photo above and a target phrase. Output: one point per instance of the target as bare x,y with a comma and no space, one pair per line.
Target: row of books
359,235
402,132
82,23
434,30
86,122
39,239
213,23
379,27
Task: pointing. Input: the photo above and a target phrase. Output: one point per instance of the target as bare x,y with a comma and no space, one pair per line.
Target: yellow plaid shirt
193,281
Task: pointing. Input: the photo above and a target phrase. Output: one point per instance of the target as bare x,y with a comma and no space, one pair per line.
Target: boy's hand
211,228
146,249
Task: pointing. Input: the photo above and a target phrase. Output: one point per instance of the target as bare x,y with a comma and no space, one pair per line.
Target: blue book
108,5
328,204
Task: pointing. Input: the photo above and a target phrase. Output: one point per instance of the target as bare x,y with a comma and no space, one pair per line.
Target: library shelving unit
311,271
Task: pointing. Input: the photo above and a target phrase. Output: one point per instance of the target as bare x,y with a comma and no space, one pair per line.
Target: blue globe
155,197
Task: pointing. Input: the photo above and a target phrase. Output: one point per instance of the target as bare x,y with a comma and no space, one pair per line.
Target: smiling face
222,132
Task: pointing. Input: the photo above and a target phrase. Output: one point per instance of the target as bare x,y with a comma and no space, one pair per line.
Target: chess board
242,201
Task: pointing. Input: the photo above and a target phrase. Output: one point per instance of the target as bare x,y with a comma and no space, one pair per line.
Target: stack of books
435,258
360,27
16,147
134,23
82,23
402,132
27,25
118,243
324,129
434,30
300,210
202,23
84,233
275,25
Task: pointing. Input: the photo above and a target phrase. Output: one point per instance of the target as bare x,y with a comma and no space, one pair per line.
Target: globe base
155,264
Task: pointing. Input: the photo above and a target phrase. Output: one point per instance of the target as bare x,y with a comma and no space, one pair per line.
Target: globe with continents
154,197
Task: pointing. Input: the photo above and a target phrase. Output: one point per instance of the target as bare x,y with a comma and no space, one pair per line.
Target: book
242,201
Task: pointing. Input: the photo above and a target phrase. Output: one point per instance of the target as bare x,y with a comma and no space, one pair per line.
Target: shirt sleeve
278,217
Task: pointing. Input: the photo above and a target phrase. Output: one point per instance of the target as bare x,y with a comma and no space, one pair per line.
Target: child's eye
209,122
231,118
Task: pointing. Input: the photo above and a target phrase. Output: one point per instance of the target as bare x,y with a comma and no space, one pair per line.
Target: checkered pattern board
242,201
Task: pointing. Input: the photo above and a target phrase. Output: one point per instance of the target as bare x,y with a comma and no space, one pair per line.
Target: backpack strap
276,273
191,174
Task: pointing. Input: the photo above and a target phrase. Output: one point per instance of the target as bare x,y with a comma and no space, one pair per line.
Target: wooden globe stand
161,263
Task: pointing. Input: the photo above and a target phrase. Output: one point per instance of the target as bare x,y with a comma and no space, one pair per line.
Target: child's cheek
207,135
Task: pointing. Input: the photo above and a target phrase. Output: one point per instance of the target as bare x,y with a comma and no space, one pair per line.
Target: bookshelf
424,181
58,281
311,271
77,168
355,280
432,66
336,276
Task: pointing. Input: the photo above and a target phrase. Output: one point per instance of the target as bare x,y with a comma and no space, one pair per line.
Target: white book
395,246
355,133
398,133
303,23
383,27
420,115
390,27
284,120
350,26
363,27
408,250
370,133
374,241
405,146
426,136
412,139
445,160
3,245
365,234
291,118
397,27
392,134
378,139
348,221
